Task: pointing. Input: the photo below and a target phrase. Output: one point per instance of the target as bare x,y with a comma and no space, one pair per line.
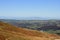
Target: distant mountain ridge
26,18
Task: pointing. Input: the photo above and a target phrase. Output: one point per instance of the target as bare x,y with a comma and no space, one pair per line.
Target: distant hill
25,18
10,32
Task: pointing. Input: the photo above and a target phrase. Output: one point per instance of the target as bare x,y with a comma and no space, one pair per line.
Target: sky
30,8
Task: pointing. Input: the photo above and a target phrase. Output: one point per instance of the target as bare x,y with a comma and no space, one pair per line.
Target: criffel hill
10,32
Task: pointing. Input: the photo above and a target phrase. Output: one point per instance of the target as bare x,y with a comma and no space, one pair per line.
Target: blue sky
30,8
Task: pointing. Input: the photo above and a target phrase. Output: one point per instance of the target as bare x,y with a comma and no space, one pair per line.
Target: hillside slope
10,32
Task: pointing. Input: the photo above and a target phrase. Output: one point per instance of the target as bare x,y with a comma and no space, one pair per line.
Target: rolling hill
10,32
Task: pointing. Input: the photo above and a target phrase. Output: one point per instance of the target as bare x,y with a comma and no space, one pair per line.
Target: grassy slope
10,32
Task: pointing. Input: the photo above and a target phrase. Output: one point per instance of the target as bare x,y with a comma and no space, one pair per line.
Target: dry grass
10,32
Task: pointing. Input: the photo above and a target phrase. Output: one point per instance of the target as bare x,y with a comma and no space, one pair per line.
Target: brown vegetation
10,32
